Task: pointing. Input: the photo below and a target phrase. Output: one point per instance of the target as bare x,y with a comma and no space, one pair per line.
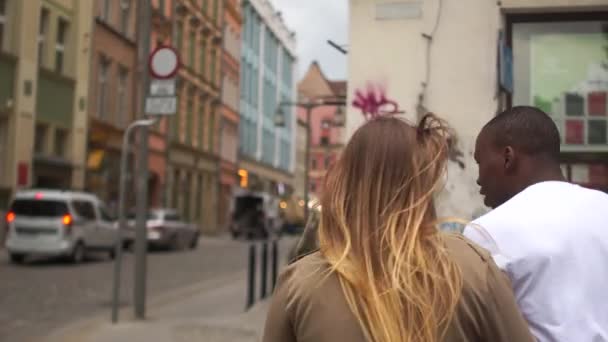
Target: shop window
559,67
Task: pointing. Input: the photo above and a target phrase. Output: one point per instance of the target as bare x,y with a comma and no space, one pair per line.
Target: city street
41,296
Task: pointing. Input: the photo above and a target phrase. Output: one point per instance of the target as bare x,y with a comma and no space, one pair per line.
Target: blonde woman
384,272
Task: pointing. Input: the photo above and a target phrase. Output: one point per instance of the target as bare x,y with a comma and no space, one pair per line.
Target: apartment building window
125,13
42,31
212,129
105,9
121,98
40,138
201,122
191,49
216,9
61,141
161,7
179,38
313,163
212,55
204,6
189,114
313,186
203,57
62,33
3,142
2,22
102,87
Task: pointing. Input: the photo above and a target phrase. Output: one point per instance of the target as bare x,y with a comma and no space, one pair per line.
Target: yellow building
44,63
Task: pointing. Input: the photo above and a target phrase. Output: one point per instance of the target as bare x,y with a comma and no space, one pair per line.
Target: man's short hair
527,129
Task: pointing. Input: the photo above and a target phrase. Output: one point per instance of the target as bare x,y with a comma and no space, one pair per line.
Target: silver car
165,229
58,223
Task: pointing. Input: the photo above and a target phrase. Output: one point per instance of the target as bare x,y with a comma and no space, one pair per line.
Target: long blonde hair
378,230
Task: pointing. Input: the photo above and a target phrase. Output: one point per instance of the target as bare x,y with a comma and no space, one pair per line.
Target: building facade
229,119
193,157
45,47
268,63
466,61
112,94
326,125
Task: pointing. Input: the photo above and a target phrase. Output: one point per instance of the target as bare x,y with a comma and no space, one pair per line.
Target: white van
58,223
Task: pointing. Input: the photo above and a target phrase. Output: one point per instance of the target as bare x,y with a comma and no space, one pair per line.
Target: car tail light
10,217
67,223
67,220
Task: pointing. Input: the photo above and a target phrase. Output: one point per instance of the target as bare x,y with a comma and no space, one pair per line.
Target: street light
279,121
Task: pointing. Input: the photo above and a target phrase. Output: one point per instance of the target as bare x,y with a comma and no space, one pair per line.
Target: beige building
45,48
453,58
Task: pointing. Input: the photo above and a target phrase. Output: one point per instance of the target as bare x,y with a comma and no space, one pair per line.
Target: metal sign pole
141,239
122,214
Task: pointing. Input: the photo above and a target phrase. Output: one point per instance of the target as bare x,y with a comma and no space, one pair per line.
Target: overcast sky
316,21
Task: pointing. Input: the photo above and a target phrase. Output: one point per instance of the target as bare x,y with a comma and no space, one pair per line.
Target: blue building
268,64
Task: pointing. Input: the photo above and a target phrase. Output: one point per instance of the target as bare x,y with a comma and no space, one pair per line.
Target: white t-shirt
552,241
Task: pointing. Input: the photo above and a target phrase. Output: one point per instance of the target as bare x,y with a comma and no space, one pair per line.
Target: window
216,9
2,22
324,141
84,210
313,186
560,68
40,138
42,31
327,162
125,12
176,122
161,7
212,129
105,214
105,9
61,140
203,58
313,163
102,87
39,208
201,122
179,38
213,56
62,32
191,49
121,101
172,217
189,128
3,142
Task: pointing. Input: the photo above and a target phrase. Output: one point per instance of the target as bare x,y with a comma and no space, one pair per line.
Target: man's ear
509,158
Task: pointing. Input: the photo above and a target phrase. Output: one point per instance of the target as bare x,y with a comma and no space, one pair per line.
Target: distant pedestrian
549,236
384,272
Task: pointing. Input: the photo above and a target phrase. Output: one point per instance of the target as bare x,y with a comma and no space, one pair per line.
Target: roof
53,194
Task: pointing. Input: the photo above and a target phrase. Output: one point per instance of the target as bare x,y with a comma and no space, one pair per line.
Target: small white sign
162,87
165,105
399,10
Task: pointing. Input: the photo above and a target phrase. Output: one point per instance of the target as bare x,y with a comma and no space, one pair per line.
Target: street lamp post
308,106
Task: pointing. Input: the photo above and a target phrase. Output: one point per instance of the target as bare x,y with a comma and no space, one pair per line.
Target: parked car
165,229
58,223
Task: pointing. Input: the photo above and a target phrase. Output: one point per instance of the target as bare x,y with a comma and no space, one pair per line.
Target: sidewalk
211,311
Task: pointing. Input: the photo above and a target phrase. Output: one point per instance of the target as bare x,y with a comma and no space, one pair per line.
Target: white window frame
60,46
3,24
42,33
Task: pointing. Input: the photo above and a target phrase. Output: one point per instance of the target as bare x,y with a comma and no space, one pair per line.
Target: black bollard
251,277
275,262
264,269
